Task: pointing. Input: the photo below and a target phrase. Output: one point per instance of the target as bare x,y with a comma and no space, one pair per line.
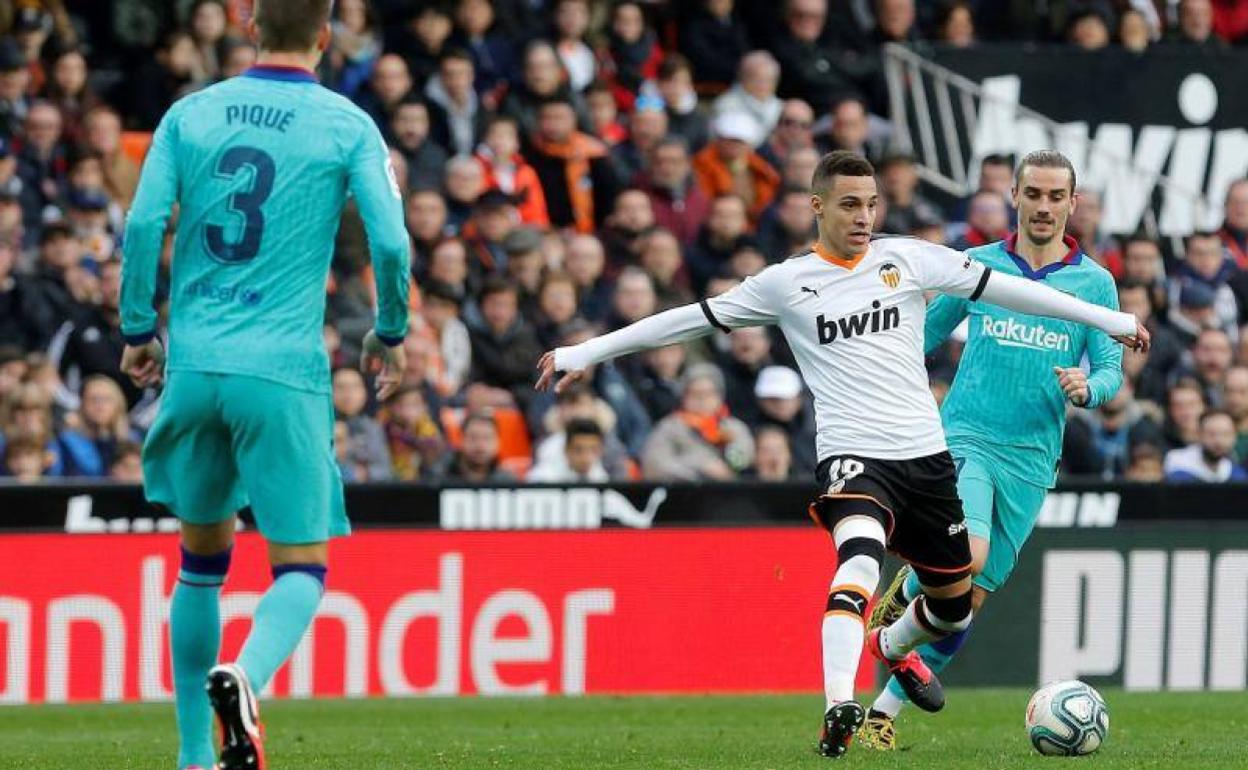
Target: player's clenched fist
144,364
386,363
1074,384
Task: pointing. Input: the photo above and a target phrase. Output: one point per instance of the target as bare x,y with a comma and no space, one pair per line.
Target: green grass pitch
980,729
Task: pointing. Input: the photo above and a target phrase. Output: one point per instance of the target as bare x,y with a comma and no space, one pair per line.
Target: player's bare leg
283,615
195,635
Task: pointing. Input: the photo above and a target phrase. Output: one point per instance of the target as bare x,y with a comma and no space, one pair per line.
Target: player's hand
1074,384
1140,341
385,363
144,364
547,374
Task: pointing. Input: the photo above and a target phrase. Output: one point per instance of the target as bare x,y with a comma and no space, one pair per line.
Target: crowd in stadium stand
569,167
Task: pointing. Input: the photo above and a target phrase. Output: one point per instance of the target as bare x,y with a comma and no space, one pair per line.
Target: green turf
980,729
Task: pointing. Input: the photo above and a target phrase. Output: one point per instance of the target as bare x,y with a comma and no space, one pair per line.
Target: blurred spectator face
82,285
558,301
475,17
1089,32
1114,411
750,346
25,460
585,260
426,215
103,132
87,173
102,404
110,285
633,212
796,121
577,405
899,179
238,60
180,57
494,222
60,252
572,19
30,412
799,167
795,213
959,27
391,79
676,87
1141,261
1133,31
457,75
760,74
780,409
503,139
583,451
408,408
411,125
464,180
438,311
988,215
895,18
1212,355
208,22
731,151
350,393
1134,300
669,166
1204,254
628,23
542,73
10,215
602,111
433,27
720,284
480,444
702,397
1044,203
13,84
69,73
127,467
1196,20
772,458
849,125
1237,205
666,361
11,373
661,257
556,122
43,127
1235,393
1146,464
634,296
1217,436
996,177
746,261
647,127
727,220
1185,406
499,310
525,269
805,19
342,441
353,14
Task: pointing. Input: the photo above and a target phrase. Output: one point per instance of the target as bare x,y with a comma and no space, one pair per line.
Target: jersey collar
829,257
280,73
1073,257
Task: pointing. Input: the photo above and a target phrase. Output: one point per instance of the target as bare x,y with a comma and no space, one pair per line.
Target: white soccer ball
1067,719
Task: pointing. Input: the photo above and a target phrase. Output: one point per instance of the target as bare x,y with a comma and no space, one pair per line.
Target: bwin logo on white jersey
874,320
1013,334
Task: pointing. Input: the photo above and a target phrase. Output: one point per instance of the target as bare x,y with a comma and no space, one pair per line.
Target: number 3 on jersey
243,203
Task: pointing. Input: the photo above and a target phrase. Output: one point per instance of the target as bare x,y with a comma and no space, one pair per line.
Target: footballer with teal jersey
1006,411
260,167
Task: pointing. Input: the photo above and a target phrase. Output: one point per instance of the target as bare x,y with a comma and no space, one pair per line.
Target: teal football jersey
1005,401
260,166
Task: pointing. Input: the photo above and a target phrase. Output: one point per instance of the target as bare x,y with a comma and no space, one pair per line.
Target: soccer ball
1067,719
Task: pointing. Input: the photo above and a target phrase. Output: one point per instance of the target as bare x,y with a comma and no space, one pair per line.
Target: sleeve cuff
388,341
139,339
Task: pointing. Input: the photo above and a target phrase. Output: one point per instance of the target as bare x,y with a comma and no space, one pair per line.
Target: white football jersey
856,330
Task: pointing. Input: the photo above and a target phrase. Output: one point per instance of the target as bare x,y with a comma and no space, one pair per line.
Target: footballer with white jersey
853,310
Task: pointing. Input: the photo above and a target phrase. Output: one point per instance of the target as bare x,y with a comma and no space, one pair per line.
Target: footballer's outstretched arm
1037,299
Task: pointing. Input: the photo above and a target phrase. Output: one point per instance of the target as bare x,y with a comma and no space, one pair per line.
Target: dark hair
1138,236
672,64
555,99
581,426
996,159
291,25
792,189
838,163
1045,159
125,449
498,285
500,119
1201,234
472,417
454,52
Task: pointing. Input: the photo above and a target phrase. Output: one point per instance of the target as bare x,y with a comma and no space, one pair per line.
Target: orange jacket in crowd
523,183
715,179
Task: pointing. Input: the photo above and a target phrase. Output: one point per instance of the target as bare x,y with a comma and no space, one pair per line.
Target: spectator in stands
658,381
987,221
788,227
102,135
646,127
391,82
160,81
14,83
68,90
543,79
1209,361
1142,265
240,56
440,310
21,306
504,168
678,203
422,40
1099,442
728,165
848,127
1085,227
1206,264
725,229
675,86
715,41
577,175
209,31
368,456
92,342
1088,30
1134,32
127,465
955,26
1196,26
811,68
699,441
633,300
778,396
523,247
799,168
631,55
571,26
1236,393
464,185
457,117
426,218
492,50
477,461
604,116
557,306
12,227
59,256
585,261
342,451
1185,404
1146,464
746,260
792,131
1234,230
662,260
578,403
899,178
609,382
1210,460
355,47
773,458
504,347
1150,372
1194,311
26,460
748,353
409,131
103,420
28,417
630,220
413,436
42,161
494,215
582,457
752,100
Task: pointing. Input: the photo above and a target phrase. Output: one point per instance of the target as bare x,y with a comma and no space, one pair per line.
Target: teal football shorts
999,508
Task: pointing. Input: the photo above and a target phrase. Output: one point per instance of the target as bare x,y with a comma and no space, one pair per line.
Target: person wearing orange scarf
729,164
700,440
576,173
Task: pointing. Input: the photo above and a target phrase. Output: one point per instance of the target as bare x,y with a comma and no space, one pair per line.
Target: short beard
1041,241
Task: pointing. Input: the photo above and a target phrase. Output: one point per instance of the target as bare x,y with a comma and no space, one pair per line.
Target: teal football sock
194,641
283,615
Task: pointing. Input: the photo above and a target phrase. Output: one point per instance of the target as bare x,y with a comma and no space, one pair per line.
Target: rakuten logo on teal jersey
1011,333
